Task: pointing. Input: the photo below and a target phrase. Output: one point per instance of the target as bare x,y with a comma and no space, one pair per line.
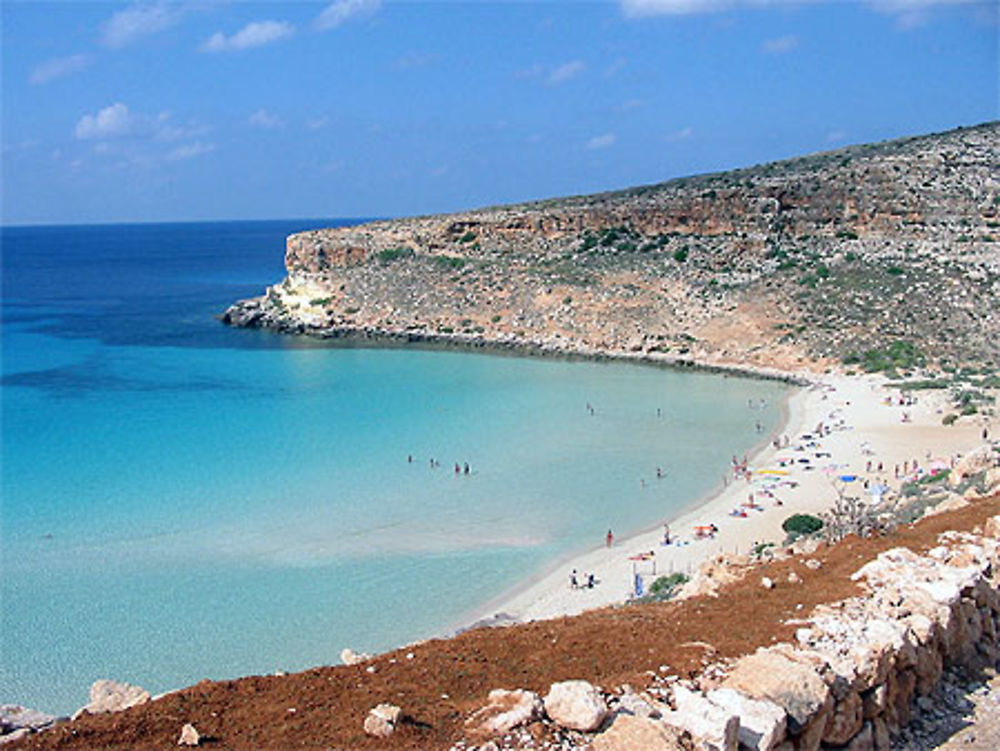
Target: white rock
762,722
576,705
111,696
766,582
504,711
189,736
350,657
705,720
630,733
381,720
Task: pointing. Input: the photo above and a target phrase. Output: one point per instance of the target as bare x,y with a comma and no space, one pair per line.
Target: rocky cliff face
804,262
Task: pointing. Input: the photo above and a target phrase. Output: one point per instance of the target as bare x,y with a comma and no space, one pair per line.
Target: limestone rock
845,721
14,717
381,720
631,703
976,461
189,736
504,711
576,704
762,722
767,582
631,733
349,657
792,685
707,722
112,696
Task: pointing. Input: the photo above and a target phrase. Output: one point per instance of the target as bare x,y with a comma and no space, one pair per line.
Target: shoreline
551,574
546,594
862,429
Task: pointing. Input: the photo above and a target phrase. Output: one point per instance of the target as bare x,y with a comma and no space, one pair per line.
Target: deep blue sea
182,500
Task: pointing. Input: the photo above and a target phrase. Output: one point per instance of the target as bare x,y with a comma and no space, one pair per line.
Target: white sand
852,407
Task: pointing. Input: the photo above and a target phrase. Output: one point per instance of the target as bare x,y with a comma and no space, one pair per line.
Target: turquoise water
185,501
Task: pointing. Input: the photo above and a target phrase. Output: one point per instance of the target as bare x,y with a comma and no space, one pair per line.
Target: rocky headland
879,256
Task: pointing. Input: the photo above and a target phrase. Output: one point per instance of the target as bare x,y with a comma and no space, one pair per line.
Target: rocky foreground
881,256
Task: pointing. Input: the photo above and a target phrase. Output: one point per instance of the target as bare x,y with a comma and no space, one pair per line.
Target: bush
802,524
681,254
665,586
449,262
949,419
394,254
468,237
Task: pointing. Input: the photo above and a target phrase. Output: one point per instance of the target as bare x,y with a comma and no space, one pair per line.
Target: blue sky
160,111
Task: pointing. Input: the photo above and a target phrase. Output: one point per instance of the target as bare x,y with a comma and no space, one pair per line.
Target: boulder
14,717
631,733
707,722
640,706
189,736
504,711
381,720
111,696
576,705
976,461
350,657
794,686
762,722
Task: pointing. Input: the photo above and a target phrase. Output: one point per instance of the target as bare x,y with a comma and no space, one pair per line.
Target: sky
206,110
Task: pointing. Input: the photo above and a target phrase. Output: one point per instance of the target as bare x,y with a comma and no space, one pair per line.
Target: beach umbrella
848,478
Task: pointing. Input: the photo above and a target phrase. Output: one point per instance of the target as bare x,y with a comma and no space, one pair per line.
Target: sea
183,500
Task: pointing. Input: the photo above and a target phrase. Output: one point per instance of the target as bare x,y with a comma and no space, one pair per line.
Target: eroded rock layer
820,258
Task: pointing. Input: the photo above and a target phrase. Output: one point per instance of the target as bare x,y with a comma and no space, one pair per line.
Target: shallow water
182,500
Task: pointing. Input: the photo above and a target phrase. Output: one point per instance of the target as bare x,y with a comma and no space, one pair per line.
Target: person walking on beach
609,539
573,583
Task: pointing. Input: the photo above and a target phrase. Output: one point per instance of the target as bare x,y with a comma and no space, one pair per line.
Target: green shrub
468,237
394,254
846,234
320,301
895,271
664,586
802,524
449,262
681,254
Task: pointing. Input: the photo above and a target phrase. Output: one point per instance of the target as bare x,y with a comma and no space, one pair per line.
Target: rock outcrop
850,679
832,256
112,696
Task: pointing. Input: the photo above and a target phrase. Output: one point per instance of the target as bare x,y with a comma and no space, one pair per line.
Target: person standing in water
609,539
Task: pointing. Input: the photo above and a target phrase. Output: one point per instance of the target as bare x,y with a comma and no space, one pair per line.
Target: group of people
581,581
460,469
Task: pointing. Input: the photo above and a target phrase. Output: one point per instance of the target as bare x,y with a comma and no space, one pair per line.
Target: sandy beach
838,426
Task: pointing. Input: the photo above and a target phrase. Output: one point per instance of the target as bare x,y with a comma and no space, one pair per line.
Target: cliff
856,255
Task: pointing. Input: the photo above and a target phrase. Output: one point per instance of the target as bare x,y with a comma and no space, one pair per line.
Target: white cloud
679,135
117,122
114,121
602,141
267,120
138,20
254,34
316,123
781,45
836,136
565,72
340,12
189,151
554,76
647,8
58,67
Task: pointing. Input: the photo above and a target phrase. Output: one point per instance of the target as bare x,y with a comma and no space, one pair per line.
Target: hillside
880,255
